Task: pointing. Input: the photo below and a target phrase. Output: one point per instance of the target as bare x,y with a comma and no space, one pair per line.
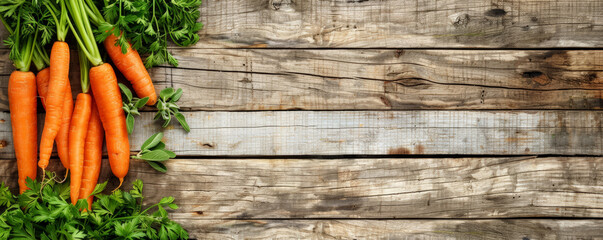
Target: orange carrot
77,136
59,72
131,66
62,138
23,114
93,155
42,82
109,103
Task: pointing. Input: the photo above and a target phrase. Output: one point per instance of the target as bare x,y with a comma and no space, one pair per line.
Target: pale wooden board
402,23
369,188
286,133
264,79
394,229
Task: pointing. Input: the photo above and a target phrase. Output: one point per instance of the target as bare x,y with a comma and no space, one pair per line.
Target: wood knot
531,74
537,77
3,143
399,53
198,212
279,4
460,20
496,12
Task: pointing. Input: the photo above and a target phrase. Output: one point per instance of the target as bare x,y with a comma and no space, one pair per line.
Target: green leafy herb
153,152
30,25
148,24
44,212
131,105
167,107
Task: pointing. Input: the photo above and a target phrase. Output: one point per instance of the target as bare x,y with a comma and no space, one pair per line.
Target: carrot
109,103
62,139
24,120
42,83
77,136
93,155
131,66
57,84
106,92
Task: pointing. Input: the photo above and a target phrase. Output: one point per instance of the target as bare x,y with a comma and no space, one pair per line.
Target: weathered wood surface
262,79
394,229
399,24
286,133
402,23
370,188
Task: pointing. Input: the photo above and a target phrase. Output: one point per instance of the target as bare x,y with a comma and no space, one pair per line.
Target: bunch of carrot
78,129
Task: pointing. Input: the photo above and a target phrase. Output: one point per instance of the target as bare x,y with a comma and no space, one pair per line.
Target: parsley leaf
119,215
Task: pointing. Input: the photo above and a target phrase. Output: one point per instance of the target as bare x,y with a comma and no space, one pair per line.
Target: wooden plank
370,188
394,229
285,133
263,79
402,23
399,24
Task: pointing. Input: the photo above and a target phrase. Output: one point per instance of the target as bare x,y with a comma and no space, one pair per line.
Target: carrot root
62,138
131,66
93,155
108,99
77,136
59,72
22,99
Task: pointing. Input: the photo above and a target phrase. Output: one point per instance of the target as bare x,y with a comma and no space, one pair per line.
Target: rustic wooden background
390,119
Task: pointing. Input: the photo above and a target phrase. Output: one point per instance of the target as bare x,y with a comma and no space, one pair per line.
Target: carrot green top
83,31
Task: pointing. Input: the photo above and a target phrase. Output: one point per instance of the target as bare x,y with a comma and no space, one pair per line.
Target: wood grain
401,24
286,133
264,79
369,188
394,229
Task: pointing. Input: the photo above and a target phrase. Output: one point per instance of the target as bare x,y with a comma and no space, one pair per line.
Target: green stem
40,57
84,71
84,34
95,14
30,48
10,30
60,20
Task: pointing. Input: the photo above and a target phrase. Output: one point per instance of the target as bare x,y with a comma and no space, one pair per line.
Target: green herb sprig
148,24
131,105
44,212
154,153
167,107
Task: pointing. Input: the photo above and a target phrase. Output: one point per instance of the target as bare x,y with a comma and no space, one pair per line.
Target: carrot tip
65,178
121,181
43,174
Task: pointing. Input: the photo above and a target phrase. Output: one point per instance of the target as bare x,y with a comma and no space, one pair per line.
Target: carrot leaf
150,24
